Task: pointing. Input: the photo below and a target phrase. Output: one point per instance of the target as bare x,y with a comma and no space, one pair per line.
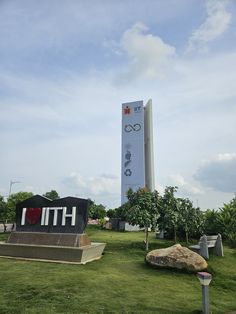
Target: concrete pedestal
63,248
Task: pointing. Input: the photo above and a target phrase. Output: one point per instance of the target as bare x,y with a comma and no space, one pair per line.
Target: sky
66,67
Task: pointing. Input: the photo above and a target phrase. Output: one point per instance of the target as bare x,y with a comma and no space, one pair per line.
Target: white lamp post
205,279
11,184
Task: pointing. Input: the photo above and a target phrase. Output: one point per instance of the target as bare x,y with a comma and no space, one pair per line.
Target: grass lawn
118,283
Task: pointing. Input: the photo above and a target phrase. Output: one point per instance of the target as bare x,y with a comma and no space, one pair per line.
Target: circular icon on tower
128,173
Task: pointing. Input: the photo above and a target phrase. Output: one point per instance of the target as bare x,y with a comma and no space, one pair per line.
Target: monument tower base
52,231
53,247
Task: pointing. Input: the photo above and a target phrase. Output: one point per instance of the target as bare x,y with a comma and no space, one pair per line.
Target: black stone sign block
40,214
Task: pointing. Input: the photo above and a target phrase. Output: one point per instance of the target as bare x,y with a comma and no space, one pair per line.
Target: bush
212,222
223,222
111,213
232,239
227,220
96,211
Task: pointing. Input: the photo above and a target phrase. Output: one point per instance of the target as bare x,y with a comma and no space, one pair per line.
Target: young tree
142,209
169,211
190,217
52,195
198,223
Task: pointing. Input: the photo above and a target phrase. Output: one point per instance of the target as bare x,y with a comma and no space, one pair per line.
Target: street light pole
11,183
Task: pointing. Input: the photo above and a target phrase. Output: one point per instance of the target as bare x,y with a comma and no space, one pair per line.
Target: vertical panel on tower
149,154
133,164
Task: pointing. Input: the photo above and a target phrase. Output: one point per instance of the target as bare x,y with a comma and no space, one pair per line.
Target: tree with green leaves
222,221
2,206
96,211
169,211
227,221
52,195
142,209
198,223
120,212
3,209
12,201
190,218
212,223
187,213
111,213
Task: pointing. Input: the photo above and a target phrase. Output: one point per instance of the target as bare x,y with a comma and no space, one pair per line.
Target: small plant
102,222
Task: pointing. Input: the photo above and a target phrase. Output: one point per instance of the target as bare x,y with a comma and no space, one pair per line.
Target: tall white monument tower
137,168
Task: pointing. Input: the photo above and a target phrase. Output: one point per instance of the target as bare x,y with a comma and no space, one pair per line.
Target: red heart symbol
33,215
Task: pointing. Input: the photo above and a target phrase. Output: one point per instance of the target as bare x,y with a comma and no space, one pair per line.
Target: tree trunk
186,233
146,238
175,235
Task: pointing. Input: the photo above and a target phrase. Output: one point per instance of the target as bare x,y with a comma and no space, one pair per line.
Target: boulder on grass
178,257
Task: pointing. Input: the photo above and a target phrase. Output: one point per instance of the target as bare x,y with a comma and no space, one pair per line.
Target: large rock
178,257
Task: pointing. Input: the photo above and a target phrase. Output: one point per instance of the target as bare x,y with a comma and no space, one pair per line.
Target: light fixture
205,279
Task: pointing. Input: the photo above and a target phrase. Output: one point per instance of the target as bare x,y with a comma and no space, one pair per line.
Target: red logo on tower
127,110
33,215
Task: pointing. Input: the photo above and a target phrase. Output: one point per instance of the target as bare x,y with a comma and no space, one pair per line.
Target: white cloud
160,188
216,23
103,186
218,173
226,157
148,55
184,187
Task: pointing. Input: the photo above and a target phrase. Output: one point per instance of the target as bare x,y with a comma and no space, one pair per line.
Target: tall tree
142,209
52,195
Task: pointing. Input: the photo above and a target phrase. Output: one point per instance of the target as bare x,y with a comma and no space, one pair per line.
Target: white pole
11,183
149,154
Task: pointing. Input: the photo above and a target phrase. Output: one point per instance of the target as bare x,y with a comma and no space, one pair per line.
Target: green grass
120,282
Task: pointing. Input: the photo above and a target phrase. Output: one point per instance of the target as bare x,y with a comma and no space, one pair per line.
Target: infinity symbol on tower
135,127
